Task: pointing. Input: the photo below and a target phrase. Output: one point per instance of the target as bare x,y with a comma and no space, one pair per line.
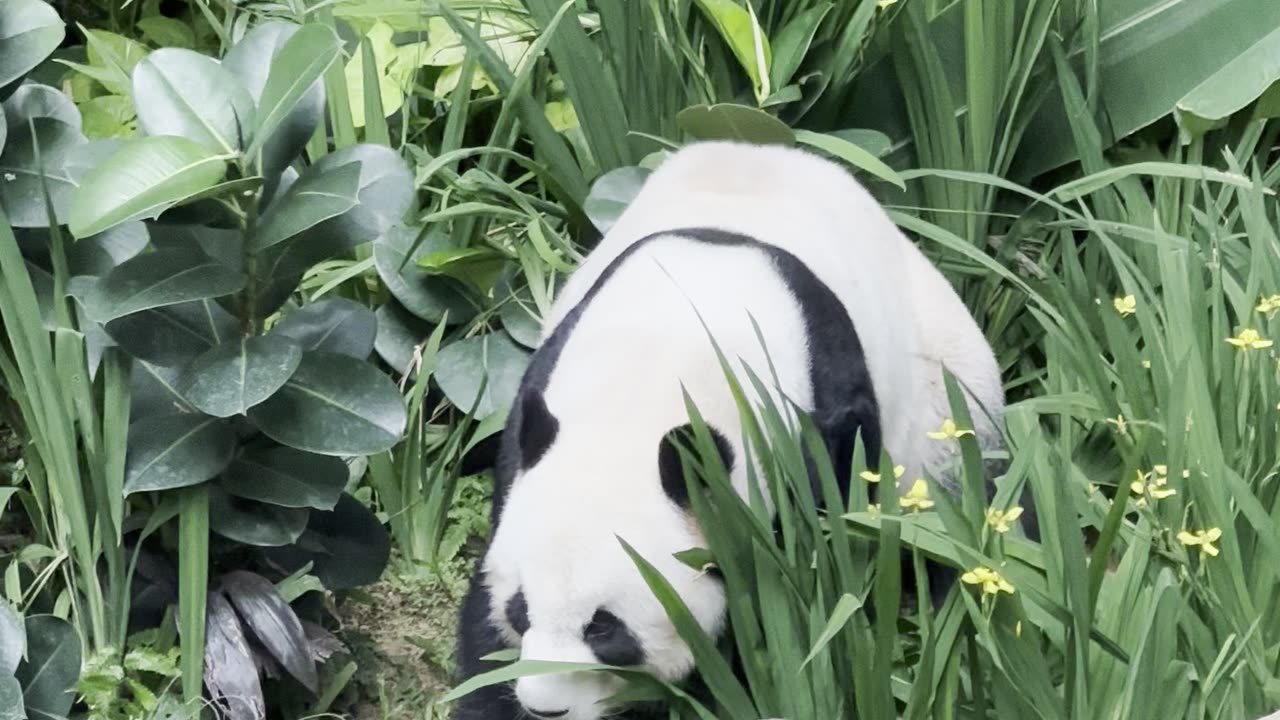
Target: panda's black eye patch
671,467
518,613
611,640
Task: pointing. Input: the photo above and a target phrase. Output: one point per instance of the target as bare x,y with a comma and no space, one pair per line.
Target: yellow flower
1126,305
1122,426
1269,305
999,521
1146,364
1152,485
1249,339
1203,538
874,477
1163,471
990,580
873,509
885,4
948,431
917,498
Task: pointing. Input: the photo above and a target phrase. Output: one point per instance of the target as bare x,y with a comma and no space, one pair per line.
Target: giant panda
857,325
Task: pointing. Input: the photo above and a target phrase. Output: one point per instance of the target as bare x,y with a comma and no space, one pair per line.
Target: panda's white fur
616,388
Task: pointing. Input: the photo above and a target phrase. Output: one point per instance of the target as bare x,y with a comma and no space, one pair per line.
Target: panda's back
800,203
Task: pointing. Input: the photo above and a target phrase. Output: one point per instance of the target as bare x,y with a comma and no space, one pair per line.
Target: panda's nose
547,714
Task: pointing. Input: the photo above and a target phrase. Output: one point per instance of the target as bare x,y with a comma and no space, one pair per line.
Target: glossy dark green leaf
142,179
611,193
315,197
239,374
727,121
183,93
254,523
336,325
462,367
173,335
230,673
520,315
386,191
153,391
273,623
792,44
99,254
176,450
294,70
399,332
351,547
11,707
287,477
334,405
21,176
32,100
52,666
156,279
29,31
418,291
252,59
13,637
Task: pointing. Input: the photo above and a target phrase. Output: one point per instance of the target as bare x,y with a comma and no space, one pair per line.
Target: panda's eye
602,625
518,613
611,640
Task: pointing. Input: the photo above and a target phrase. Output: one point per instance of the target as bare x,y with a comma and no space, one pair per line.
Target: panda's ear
670,467
538,428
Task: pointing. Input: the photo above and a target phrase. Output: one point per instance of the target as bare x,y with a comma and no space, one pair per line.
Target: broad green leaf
252,59
1241,81
183,93
334,405
844,609
335,325
173,335
287,477
109,116
156,279
176,450
51,668
611,193
239,374
744,37
316,196
390,92
31,101
792,44
11,707
112,58
164,31
399,332
734,122
29,31
229,669
852,154
295,69
427,297
274,623
477,267
493,360
254,523
142,179
21,177
101,253
13,637
348,546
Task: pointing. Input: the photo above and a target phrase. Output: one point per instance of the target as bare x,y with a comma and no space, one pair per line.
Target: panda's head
561,586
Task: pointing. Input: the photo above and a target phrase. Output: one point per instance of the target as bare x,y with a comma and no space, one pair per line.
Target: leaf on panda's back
728,121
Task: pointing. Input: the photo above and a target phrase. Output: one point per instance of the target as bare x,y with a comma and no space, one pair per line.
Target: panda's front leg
477,637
